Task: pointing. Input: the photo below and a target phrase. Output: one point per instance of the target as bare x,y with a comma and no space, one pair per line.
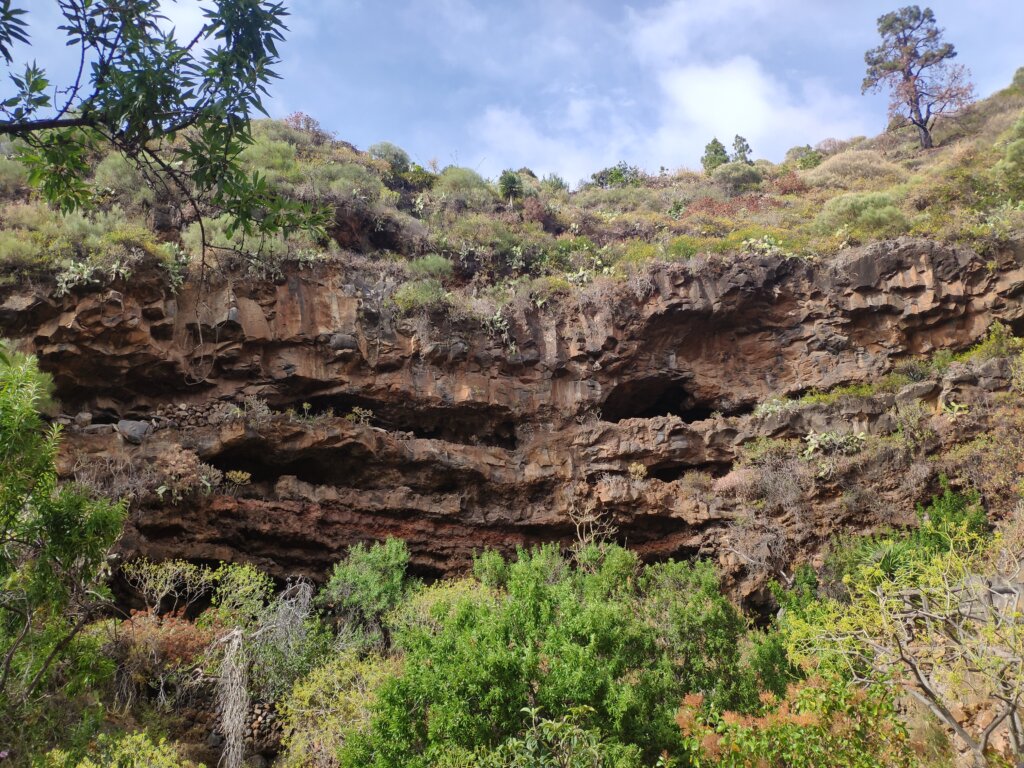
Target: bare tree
913,62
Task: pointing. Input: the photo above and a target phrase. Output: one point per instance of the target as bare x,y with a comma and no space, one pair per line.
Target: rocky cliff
626,405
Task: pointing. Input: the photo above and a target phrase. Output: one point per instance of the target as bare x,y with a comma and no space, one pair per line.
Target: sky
570,87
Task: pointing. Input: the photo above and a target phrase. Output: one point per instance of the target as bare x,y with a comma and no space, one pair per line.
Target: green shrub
1011,169
420,295
120,179
552,182
804,157
999,341
639,252
682,248
431,265
735,178
266,155
834,395
419,178
300,133
619,175
52,571
346,181
396,157
855,169
240,597
605,647
19,252
496,246
563,742
263,257
463,189
80,248
368,582
811,160
490,569
863,214
623,199
13,178
135,750
820,722
333,701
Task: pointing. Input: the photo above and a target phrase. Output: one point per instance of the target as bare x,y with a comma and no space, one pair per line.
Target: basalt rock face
620,405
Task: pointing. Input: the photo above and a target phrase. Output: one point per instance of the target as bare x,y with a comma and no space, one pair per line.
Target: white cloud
589,139
672,31
694,103
738,96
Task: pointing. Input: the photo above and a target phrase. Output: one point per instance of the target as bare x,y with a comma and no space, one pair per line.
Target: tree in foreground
178,111
714,155
913,63
53,546
939,615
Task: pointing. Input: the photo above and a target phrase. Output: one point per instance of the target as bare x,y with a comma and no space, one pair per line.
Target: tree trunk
919,120
925,136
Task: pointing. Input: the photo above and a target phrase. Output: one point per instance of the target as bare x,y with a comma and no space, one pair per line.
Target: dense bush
737,177
136,750
463,189
114,176
13,178
854,170
333,703
55,541
80,247
821,722
1011,167
418,295
367,584
620,175
621,642
430,265
396,157
262,257
863,214
804,157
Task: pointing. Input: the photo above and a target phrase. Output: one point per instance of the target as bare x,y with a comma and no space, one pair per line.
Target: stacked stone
180,415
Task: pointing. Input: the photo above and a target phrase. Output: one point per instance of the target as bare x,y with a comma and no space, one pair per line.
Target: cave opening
465,424
669,472
335,467
651,397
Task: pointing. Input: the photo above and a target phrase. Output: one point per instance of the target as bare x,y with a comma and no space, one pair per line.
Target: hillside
717,384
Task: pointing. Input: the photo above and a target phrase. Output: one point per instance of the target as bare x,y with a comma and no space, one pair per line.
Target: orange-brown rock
512,431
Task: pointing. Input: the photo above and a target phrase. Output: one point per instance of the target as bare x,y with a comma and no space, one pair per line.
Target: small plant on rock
359,415
637,471
832,443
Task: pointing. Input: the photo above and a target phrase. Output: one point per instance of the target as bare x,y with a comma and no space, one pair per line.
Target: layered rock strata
625,405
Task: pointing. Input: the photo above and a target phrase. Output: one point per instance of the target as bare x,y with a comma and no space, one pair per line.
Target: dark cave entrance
654,396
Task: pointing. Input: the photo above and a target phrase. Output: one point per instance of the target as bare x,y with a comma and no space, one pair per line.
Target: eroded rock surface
509,432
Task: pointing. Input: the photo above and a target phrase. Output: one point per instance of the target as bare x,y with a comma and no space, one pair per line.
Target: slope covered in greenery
448,230
585,657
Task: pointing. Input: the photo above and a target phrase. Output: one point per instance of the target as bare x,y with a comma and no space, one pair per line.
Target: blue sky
570,87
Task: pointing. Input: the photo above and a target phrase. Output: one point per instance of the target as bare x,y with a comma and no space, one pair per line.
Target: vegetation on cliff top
524,238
